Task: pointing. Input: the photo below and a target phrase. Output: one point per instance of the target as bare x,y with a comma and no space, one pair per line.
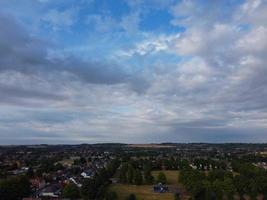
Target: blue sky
87,71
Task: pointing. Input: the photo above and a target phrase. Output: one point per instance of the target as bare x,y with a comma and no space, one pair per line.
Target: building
53,191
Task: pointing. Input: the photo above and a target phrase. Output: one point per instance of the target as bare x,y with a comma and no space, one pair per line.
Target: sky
133,71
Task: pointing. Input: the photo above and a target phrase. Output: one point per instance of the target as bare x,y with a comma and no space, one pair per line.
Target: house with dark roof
53,191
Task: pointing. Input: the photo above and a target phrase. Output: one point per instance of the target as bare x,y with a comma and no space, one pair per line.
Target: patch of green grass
171,175
142,192
145,192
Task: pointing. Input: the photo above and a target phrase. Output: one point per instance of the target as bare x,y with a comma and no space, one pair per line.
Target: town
167,171
133,100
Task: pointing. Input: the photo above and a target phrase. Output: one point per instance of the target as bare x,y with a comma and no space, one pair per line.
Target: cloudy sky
135,71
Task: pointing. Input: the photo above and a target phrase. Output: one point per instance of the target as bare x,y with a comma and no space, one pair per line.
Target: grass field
145,192
142,192
172,176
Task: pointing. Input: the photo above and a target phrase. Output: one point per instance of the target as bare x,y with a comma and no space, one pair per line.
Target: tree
130,174
58,166
229,188
138,178
262,185
111,196
198,190
123,173
193,182
71,191
149,179
216,175
30,172
218,189
162,178
83,160
240,182
3,174
177,196
89,189
112,167
208,189
131,197
252,190
15,188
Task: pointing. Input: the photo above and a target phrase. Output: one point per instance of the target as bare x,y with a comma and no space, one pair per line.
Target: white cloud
151,45
217,82
59,20
252,12
102,23
130,23
254,41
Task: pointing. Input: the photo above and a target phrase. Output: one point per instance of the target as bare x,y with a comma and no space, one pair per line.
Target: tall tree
15,188
138,178
123,173
149,179
252,189
229,188
71,191
177,196
162,178
240,182
111,196
130,174
89,189
218,189
132,197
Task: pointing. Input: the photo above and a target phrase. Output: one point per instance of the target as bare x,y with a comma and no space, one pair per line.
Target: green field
172,176
145,192
142,192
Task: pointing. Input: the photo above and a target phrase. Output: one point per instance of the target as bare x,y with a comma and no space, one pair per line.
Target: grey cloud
23,53
18,92
26,54
202,13
216,93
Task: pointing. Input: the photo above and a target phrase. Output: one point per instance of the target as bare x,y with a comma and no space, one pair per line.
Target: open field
145,192
150,146
67,162
142,192
172,176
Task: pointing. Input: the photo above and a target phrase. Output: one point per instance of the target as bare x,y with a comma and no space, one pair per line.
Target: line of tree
162,163
15,188
139,171
251,180
220,183
208,164
111,195
136,172
130,174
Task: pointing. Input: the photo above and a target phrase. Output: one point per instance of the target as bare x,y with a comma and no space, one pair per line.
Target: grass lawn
145,192
172,176
142,192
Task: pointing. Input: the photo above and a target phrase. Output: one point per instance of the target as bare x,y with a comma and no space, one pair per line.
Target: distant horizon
74,71
163,143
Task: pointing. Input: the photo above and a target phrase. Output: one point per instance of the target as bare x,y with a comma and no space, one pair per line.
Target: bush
162,178
131,197
111,196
